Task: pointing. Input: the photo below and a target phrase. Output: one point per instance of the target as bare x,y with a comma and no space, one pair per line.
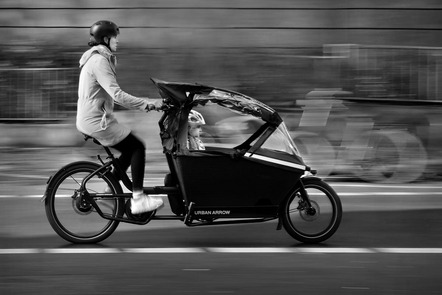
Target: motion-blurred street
358,84
389,242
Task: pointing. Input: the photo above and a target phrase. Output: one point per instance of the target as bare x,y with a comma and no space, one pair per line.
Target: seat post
108,151
123,176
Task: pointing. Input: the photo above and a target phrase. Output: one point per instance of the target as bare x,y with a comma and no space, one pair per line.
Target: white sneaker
145,203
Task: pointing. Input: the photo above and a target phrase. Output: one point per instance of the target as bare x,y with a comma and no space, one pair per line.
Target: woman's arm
107,79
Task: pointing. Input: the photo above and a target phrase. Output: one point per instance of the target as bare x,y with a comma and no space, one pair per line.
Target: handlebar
167,105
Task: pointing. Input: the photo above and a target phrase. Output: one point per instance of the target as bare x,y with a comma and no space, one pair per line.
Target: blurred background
357,82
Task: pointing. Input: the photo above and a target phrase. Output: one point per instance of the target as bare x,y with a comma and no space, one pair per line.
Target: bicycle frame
249,183
189,213
106,168
157,190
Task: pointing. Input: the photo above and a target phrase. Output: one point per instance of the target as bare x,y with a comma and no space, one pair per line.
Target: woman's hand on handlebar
154,104
158,105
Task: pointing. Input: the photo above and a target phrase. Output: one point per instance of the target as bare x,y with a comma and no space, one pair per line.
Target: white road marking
282,250
390,194
80,251
162,250
399,190
389,186
341,194
249,250
410,250
20,251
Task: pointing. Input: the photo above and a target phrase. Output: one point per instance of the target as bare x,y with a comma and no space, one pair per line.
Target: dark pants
133,154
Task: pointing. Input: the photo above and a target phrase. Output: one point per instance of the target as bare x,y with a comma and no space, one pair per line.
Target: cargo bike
263,178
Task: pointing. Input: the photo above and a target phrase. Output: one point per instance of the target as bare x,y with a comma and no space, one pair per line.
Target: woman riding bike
98,90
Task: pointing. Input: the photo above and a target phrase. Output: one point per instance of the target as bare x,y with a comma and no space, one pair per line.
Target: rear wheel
313,224
70,214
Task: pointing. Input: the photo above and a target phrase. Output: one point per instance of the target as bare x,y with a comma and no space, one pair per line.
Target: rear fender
50,183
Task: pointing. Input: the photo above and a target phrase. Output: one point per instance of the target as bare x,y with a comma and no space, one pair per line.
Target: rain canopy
184,96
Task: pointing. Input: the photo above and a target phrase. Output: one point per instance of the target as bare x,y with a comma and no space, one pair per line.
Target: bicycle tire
312,228
76,224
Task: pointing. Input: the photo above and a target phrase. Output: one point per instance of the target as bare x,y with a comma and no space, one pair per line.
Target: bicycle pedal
142,217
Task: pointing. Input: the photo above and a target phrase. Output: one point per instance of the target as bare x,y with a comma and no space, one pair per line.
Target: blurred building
277,51
259,47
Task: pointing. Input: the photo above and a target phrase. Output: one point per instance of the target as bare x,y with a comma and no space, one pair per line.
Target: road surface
389,242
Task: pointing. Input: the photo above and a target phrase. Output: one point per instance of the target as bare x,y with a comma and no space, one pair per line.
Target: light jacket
97,91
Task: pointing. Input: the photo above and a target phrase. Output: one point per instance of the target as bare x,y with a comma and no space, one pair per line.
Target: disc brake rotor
305,215
80,204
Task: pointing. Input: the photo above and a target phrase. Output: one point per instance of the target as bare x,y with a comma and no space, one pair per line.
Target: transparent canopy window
280,140
228,129
224,127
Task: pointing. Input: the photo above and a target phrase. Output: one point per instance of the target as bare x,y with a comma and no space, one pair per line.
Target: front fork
306,200
304,204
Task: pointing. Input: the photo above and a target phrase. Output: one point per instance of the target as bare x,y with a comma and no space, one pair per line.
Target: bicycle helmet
101,29
195,118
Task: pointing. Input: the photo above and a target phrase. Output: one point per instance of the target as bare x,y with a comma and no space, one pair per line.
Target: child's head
195,121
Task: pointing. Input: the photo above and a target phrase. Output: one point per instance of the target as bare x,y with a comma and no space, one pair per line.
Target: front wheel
313,224
70,214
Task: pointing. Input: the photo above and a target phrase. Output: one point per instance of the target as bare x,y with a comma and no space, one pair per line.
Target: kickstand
188,218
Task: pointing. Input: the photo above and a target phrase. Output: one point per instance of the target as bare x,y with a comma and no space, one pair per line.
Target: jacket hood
100,49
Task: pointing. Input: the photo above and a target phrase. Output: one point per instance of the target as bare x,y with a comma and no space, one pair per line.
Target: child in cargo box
195,120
